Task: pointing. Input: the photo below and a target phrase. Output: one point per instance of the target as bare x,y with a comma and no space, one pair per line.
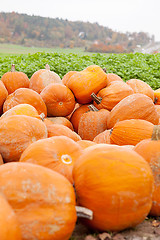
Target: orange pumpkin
131,132
14,80
158,110
1,160
67,76
108,97
92,123
85,82
9,226
157,96
111,77
103,137
61,120
17,132
134,106
25,95
59,100
3,96
140,86
42,78
85,143
43,200
57,153
116,184
149,149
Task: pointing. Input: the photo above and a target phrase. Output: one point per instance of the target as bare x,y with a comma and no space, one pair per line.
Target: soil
147,230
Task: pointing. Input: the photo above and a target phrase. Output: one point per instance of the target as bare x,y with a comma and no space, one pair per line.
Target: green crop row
145,67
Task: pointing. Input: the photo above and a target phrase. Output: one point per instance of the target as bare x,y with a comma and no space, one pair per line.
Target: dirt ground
147,230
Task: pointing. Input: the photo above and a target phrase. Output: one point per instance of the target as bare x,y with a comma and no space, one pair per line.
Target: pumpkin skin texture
116,184
57,153
150,151
59,100
92,77
67,76
157,96
61,120
92,123
43,200
9,226
42,78
134,106
3,96
14,80
25,95
131,132
140,86
112,95
103,137
111,77
1,160
85,143
17,132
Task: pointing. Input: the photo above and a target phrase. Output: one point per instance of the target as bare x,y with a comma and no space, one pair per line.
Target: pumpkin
17,132
59,100
92,123
61,130
158,110
140,86
14,80
116,184
149,149
3,96
1,160
60,120
43,200
85,143
42,78
111,77
57,153
103,137
157,96
77,114
108,97
25,95
134,106
9,226
92,77
131,132
67,76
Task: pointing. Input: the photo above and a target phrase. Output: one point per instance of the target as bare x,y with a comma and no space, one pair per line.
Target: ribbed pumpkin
149,149
61,130
9,226
67,76
25,95
157,96
103,137
59,100
77,114
61,120
43,200
17,132
108,97
42,78
158,110
3,96
14,80
85,82
140,86
57,153
134,106
111,77
85,143
116,183
92,123
131,132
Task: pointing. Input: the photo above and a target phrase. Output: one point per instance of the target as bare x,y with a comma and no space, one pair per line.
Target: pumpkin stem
156,133
155,100
84,212
47,67
98,100
92,108
13,68
42,116
105,70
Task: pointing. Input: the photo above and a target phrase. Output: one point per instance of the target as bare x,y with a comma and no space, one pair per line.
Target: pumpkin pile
86,146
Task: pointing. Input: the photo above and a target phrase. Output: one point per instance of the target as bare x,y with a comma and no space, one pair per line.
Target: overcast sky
119,15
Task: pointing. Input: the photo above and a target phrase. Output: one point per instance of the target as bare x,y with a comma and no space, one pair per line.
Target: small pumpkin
111,77
61,120
42,78
3,96
14,80
103,137
157,96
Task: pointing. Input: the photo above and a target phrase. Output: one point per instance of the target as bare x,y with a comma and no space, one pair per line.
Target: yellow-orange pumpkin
103,137
111,77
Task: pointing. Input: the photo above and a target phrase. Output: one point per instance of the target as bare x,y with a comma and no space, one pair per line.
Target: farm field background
145,67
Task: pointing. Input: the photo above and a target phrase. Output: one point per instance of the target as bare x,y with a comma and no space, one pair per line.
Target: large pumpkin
17,132
42,78
9,226
43,200
134,106
116,183
25,95
85,82
3,96
57,153
14,80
